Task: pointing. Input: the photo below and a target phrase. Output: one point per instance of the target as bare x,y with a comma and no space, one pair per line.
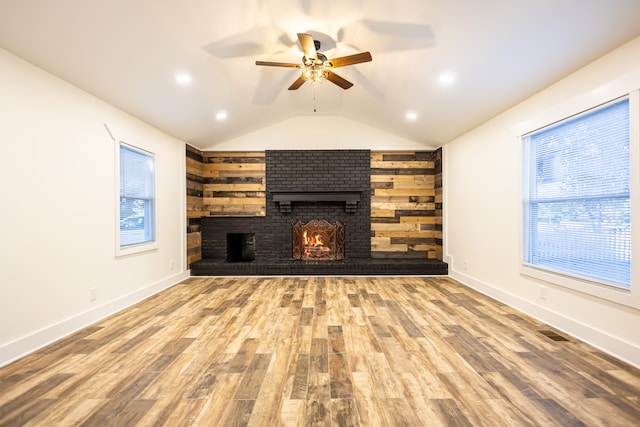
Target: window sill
136,249
614,294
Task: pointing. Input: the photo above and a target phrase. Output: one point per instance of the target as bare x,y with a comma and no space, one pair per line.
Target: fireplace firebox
318,240
240,247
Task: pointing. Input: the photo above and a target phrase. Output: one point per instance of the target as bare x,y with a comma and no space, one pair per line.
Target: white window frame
152,244
625,296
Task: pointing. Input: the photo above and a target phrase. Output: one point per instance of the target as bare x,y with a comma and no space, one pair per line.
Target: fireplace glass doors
318,240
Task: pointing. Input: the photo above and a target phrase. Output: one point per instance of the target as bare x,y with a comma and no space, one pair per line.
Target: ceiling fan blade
308,46
299,82
351,59
336,79
277,64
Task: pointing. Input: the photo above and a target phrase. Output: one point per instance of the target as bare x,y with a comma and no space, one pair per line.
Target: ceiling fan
316,66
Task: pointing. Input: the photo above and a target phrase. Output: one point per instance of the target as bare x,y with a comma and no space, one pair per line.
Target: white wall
57,221
482,204
318,133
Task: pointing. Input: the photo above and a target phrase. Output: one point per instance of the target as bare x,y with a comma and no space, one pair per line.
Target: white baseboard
616,347
21,347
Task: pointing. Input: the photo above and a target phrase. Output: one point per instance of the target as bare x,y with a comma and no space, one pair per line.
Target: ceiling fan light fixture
316,73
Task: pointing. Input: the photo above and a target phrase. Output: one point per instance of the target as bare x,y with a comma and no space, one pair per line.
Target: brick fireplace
302,186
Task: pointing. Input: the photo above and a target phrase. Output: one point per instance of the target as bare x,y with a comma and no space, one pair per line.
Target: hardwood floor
387,351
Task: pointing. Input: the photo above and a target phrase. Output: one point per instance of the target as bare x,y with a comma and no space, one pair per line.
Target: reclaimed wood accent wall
221,184
406,198
404,205
234,183
195,182
439,246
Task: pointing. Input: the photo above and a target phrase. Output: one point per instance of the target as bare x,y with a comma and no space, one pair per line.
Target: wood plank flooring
321,351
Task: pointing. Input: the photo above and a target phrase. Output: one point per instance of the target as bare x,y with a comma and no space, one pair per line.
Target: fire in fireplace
318,240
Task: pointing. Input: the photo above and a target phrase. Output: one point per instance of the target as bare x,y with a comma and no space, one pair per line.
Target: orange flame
313,241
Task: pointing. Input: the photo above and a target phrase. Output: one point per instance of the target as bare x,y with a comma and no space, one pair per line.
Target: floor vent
552,335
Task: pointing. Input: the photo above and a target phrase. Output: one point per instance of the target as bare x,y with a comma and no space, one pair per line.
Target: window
577,199
136,199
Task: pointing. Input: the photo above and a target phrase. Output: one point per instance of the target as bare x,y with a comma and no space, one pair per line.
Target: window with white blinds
137,196
577,206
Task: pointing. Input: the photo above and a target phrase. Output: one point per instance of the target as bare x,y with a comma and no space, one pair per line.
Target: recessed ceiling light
446,78
183,78
221,115
411,115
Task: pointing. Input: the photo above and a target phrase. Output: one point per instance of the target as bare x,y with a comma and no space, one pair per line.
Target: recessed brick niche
305,185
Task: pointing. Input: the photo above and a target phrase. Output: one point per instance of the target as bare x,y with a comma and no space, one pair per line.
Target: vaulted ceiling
495,52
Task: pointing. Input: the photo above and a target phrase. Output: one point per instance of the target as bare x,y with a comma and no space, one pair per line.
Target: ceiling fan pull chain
314,99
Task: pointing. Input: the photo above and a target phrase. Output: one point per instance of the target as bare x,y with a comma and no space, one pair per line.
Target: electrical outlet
543,292
466,264
93,294
171,265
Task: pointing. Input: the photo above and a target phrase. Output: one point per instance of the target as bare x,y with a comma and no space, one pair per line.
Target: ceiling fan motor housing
321,59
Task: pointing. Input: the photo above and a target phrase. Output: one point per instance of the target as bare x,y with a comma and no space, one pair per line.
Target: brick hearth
348,267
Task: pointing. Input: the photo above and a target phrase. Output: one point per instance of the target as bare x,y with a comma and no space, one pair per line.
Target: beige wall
58,220
482,202
319,133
